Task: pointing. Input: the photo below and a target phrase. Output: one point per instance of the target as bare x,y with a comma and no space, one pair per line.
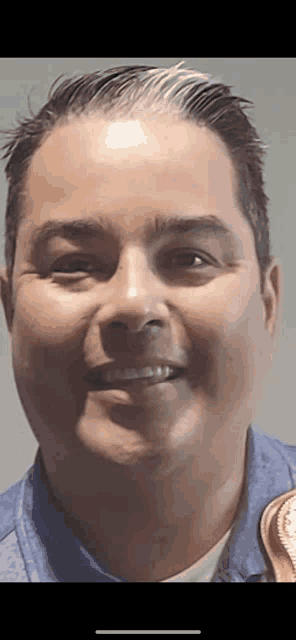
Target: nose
138,329
134,326
137,309
139,336
138,297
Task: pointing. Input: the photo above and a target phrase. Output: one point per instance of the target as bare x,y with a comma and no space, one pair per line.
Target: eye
74,265
185,260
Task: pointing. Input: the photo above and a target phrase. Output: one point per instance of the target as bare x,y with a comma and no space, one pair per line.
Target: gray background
270,84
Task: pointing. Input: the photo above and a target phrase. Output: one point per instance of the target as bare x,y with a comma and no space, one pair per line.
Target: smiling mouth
167,374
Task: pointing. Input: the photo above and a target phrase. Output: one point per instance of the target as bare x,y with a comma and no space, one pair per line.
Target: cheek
48,337
224,306
48,317
228,339
234,295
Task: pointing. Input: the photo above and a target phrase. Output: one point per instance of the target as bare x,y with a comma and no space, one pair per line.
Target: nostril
117,329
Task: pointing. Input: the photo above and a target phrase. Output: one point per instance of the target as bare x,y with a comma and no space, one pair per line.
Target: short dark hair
139,90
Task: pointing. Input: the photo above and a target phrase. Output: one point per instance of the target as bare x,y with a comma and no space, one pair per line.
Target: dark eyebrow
153,229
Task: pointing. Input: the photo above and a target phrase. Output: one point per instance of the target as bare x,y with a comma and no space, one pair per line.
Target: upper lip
96,372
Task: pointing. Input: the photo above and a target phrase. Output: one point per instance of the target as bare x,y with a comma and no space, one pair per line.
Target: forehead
131,167
89,148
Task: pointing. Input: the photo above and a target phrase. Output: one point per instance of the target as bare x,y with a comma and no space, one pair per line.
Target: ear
6,297
274,299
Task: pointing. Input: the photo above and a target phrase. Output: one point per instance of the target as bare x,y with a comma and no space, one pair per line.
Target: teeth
130,374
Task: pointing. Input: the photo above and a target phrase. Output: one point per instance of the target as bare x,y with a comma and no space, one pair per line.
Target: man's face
201,288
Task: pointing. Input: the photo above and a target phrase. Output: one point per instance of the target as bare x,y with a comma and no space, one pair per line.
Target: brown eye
74,266
186,260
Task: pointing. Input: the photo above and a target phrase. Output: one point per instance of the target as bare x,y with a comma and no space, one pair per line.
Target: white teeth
129,374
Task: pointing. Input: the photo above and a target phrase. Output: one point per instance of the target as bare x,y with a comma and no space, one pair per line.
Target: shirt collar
269,472
53,553
58,555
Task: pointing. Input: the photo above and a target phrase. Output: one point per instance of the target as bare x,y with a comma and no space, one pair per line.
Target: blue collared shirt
37,546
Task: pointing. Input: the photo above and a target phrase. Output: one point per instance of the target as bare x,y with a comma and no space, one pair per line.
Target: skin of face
150,479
